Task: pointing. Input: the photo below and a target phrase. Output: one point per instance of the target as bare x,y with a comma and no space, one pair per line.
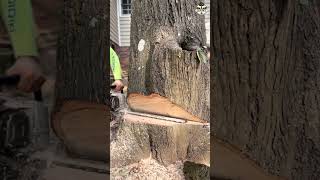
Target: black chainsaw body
15,137
14,129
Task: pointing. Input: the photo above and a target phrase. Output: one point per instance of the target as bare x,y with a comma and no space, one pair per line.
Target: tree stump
167,142
81,115
163,58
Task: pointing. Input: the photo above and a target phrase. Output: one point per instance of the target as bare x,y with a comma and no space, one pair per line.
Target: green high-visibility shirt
19,21
115,64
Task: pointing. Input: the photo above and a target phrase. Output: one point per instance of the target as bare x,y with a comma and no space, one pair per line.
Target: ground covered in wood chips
148,169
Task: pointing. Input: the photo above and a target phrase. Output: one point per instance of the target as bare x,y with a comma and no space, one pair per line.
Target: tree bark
166,64
82,52
267,93
141,138
81,113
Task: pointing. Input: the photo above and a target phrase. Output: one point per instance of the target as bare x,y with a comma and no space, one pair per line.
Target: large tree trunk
81,115
166,63
267,94
167,142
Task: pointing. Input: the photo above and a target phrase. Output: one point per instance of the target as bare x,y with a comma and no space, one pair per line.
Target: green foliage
202,56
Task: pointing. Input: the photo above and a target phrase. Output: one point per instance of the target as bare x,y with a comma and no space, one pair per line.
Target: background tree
81,115
163,36
267,97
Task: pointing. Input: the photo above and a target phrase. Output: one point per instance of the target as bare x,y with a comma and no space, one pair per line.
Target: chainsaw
20,133
119,105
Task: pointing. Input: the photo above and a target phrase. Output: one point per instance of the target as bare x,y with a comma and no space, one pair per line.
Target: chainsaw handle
38,95
14,80
9,80
114,86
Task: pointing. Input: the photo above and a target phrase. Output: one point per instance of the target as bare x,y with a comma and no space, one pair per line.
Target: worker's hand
29,70
118,84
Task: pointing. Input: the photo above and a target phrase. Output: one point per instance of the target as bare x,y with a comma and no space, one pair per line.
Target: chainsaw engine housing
14,129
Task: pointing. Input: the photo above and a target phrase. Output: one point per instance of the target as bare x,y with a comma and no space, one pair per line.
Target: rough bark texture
82,66
267,93
193,171
82,71
166,66
141,138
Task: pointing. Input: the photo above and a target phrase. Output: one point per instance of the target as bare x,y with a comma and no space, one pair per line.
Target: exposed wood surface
82,126
155,104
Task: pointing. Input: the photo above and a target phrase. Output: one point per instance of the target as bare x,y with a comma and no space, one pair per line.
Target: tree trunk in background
82,60
81,114
165,64
267,54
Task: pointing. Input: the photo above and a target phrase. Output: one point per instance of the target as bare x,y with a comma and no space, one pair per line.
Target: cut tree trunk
81,114
266,104
155,104
164,35
167,142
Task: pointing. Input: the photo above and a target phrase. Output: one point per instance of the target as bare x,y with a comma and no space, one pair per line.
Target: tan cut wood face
83,128
156,104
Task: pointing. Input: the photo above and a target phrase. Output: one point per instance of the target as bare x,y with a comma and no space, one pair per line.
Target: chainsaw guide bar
158,117
165,118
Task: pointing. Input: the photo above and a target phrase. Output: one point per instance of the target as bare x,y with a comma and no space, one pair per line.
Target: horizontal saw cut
82,127
158,105
167,142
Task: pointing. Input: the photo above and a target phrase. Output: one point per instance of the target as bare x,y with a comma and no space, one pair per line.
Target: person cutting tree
19,21
116,69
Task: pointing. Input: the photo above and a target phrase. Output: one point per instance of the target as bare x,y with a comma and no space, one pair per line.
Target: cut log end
82,126
156,104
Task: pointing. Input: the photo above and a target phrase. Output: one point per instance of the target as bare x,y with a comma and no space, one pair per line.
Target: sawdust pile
148,169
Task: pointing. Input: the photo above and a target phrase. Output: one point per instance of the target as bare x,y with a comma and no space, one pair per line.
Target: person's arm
18,19
115,65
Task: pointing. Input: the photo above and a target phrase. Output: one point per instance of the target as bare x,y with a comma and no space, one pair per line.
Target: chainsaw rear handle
9,80
14,80
114,86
